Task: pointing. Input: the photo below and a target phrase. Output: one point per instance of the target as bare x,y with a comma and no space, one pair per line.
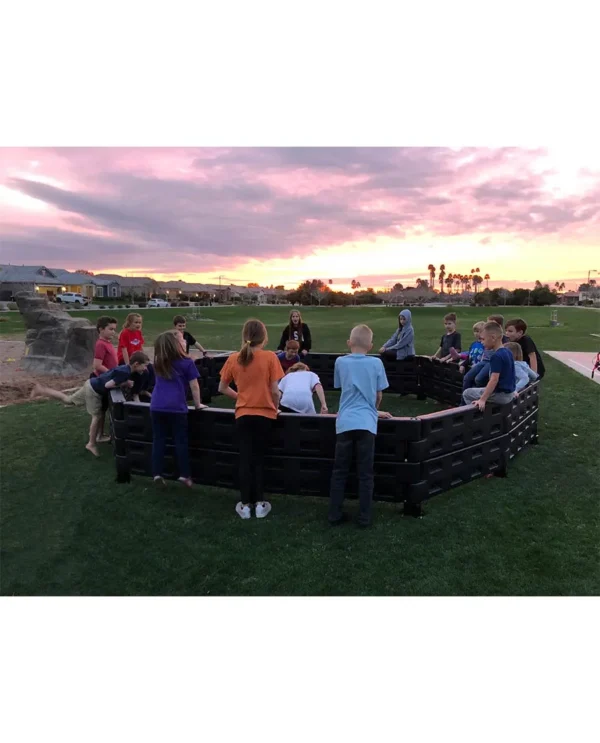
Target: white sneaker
262,509
243,511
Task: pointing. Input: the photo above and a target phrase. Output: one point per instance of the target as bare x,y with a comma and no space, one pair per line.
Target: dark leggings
253,438
176,425
285,409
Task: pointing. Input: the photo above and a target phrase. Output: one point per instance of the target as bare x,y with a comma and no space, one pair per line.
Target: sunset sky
282,215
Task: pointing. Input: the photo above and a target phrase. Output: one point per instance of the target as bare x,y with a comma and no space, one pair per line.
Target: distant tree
84,272
441,276
280,287
449,281
486,278
397,287
477,281
330,282
253,285
431,269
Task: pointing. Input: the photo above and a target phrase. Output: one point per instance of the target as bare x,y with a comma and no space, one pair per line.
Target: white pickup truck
72,298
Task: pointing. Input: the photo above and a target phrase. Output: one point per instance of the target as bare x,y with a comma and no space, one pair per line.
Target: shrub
3,319
141,305
12,306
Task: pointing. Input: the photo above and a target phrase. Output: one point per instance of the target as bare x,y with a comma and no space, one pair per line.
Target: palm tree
353,284
330,282
456,283
449,281
486,278
477,280
431,269
441,277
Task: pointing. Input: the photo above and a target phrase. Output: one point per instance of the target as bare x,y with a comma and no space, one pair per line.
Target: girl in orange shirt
256,373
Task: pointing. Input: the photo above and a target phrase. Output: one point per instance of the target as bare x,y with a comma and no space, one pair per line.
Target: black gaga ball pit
416,458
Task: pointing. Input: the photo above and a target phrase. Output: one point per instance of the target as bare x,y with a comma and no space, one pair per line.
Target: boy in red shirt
290,356
131,338
105,359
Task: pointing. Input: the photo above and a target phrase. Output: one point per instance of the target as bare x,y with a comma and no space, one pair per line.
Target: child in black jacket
296,331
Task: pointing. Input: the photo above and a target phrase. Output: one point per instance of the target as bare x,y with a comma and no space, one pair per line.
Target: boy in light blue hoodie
524,374
403,340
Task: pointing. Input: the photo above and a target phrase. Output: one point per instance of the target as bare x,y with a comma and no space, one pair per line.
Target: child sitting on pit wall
479,374
91,393
290,356
256,373
524,374
180,324
362,379
501,387
297,389
402,344
473,356
130,338
451,339
168,407
516,331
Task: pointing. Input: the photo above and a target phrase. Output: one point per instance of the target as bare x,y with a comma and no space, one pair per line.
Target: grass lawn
68,529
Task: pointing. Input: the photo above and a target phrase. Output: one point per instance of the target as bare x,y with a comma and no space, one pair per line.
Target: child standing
105,359
516,331
402,344
501,387
296,330
451,339
180,324
362,379
524,374
297,389
289,357
256,373
92,391
168,407
130,338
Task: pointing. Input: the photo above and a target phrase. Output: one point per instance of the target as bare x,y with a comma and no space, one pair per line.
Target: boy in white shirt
297,389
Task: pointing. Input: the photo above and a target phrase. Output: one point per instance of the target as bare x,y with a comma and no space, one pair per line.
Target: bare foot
103,439
93,449
35,392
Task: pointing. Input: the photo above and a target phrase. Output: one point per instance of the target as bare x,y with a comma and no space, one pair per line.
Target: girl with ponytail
256,374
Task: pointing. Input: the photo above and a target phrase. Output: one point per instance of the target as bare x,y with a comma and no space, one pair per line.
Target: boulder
56,343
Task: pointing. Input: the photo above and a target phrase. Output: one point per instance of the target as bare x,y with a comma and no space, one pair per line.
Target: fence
415,458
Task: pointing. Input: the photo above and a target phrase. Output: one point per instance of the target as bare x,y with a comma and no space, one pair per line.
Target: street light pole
592,270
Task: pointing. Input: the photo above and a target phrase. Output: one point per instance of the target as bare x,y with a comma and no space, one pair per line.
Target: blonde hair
479,326
361,336
516,350
167,349
297,367
130,319
254,334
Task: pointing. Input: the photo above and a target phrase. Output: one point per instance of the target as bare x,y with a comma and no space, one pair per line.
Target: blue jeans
175,424
477,376
346,445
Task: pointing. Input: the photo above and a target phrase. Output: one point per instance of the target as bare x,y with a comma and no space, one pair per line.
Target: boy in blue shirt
502,384
362,379
94,389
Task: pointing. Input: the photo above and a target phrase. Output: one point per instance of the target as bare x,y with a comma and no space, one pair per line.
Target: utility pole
592,270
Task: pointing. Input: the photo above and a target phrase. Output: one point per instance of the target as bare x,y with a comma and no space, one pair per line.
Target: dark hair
253,334
497,318
450,316
291,326
167,349
516,350
138,357
178,318
103,321
518,325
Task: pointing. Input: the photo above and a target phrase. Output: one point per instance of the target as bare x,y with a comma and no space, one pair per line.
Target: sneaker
338,522
262,509
187,481
243,511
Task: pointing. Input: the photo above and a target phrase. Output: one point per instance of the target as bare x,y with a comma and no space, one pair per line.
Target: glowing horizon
283,215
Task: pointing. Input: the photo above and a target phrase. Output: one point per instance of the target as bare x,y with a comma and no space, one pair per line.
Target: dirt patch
16,383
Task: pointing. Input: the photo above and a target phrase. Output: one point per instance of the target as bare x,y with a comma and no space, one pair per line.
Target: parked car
158,303
72,298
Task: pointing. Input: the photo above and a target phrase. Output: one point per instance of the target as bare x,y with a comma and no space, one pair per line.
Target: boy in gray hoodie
402,344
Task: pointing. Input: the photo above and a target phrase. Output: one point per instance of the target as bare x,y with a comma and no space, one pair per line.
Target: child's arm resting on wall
318,388
195,390
490,387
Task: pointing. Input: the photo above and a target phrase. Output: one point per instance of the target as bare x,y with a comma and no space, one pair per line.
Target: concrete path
580,361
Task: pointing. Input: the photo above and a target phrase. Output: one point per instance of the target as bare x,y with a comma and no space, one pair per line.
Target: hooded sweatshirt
403,340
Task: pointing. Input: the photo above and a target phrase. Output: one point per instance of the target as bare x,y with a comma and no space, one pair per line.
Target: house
194,292
131,286
570,299
14,279
91,287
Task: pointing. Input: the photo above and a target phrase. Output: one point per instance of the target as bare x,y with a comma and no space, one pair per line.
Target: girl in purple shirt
168,407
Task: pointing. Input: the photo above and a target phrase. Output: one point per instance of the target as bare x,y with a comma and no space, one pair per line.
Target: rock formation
56,343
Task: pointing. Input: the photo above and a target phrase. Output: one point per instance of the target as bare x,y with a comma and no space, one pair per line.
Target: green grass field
68,529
